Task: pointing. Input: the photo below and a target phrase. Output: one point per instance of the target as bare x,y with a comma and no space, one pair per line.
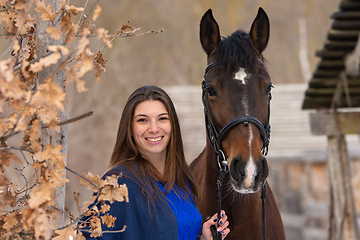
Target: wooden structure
336,85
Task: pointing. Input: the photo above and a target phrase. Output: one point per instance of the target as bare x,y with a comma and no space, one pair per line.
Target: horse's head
237,93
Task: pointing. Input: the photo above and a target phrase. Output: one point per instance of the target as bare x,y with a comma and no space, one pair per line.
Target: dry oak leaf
95,227
46,62
73,9
95,179
49,95
53,156
112,191
54,32
65,234
66,23
10,221
44,11
42,225
42,194
97,12
102,33
108,220
99,66
104,208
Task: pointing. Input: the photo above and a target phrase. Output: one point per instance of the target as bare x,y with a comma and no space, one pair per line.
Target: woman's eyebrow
140,115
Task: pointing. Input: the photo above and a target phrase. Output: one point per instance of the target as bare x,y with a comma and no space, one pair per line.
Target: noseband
216,139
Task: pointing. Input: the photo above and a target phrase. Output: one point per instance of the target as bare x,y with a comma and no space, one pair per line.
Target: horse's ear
260,31
209,33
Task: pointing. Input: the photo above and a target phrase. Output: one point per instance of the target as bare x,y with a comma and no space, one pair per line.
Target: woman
149,156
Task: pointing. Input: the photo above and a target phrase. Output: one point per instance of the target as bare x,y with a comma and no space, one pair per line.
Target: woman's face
151,129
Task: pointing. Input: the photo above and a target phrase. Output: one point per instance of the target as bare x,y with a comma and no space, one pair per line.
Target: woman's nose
153,127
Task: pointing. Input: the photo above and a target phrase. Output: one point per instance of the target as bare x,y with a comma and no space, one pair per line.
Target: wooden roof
340,42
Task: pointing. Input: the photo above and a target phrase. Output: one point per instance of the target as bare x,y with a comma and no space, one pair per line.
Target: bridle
216,139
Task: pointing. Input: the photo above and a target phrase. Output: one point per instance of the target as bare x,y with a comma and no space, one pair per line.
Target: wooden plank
351,35
346,15
330,91
340,45
331,64
346,5
331,82
323,123
319,73
327,54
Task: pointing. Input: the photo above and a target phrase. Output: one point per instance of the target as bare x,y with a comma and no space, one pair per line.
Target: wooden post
335,125
342,210
51,136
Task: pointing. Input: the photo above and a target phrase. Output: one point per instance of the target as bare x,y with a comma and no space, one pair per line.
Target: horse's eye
268,91
211,91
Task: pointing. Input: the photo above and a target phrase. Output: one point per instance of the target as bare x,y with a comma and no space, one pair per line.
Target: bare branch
72,119
115,231
18,148
87,17
79,175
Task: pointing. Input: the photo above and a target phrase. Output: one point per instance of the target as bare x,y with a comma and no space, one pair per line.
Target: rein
216,139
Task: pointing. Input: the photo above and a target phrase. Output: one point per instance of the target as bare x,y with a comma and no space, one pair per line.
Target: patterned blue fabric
188,216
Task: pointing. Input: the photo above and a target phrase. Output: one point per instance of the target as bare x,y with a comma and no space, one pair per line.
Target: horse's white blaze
250,171
241,75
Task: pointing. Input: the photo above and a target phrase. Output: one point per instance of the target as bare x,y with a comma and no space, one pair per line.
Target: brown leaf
66,23
40,195
108,220
54,32
95,227
44,11
42,225
104,208
97,12
95,179
102,33
73,9
49,95
65,234
10,221
52,155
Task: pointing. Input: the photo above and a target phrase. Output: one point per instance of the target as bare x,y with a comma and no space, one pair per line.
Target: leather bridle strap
245,120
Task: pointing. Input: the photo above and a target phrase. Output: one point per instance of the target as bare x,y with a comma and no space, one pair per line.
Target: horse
236,98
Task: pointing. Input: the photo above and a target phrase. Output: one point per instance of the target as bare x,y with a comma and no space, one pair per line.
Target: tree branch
87,17
79,175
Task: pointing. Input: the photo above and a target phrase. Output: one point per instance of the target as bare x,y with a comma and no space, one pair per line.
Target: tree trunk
51,136
342,211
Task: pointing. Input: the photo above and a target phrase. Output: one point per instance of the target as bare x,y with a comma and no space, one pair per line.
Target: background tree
49,51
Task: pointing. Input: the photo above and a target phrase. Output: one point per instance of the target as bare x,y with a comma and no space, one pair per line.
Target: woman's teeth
154,139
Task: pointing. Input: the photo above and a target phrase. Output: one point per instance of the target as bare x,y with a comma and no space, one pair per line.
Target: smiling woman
148,157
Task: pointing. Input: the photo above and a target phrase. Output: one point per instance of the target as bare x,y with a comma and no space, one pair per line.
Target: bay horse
236,97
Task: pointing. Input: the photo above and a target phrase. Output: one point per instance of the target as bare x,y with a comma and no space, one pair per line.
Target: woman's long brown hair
125,151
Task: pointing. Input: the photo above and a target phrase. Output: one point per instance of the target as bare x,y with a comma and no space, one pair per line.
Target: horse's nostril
237,169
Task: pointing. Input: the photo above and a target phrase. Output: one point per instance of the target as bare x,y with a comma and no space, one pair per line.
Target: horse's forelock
237,51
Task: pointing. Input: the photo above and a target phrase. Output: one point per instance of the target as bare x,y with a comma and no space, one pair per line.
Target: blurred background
175,61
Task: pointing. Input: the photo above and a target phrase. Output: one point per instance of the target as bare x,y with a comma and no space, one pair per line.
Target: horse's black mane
237,51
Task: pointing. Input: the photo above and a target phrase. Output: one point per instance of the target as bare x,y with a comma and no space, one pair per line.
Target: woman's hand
222,228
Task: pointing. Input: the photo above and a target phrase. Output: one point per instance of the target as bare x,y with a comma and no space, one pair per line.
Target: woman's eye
163,118
211,91
141,120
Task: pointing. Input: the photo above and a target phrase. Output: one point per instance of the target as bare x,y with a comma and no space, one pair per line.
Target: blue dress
188,217
167,218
